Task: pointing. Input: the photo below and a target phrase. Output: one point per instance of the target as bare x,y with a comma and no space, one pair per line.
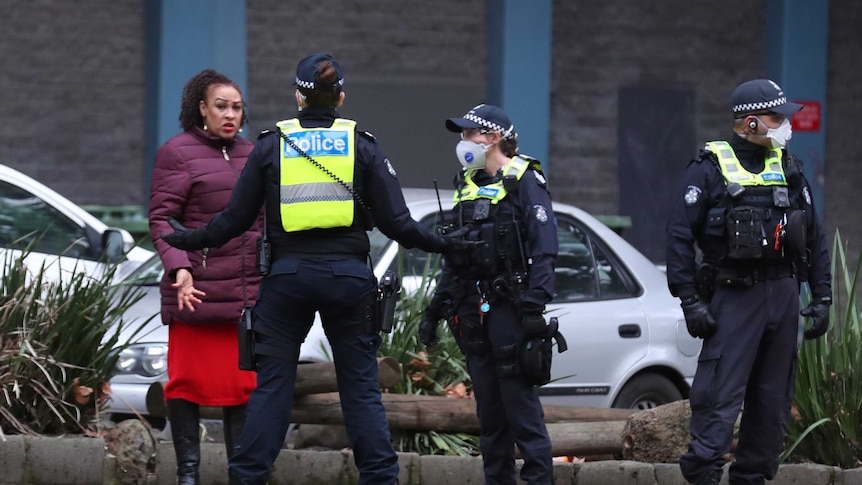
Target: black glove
533,319
698,318
818,311
182,238
454,241
428,328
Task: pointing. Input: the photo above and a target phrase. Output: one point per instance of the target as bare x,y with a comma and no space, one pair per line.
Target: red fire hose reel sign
808,118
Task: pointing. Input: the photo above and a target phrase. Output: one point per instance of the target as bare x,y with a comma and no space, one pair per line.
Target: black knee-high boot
233,420
185,431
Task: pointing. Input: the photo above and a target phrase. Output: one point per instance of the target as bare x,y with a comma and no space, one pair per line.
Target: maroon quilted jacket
193,177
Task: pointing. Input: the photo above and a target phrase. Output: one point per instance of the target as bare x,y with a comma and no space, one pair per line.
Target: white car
65,238
628,344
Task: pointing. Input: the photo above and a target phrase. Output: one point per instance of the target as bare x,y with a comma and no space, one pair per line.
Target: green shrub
826,424
430,372
57,346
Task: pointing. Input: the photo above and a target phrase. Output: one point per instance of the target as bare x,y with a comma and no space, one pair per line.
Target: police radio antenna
439,204
443,227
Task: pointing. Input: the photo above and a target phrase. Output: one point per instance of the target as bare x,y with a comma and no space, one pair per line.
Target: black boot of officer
233,420
711,478
185,432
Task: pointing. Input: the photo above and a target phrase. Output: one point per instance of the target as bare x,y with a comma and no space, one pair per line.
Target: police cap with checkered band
307,69
761,96
484,116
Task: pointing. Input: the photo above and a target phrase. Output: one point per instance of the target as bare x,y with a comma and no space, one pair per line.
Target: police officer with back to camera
493,295
322,183
745,204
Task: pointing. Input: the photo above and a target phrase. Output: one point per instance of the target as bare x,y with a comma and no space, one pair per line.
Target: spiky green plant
827,425
57,346
425,371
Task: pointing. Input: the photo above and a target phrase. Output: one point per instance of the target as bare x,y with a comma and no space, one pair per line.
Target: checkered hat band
310,84
740,108
507,132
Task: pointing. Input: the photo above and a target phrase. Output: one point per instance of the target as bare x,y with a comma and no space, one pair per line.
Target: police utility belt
750,277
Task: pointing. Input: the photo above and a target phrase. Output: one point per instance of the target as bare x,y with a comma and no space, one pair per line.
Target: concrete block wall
26,460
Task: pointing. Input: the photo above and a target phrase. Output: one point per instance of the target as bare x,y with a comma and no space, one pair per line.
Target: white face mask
781,135
471,154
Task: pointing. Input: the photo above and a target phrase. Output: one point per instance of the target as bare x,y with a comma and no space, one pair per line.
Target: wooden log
318,377
586,438
427,413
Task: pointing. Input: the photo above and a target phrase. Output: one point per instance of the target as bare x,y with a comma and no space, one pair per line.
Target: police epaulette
706,155
532,162
264,133
367,135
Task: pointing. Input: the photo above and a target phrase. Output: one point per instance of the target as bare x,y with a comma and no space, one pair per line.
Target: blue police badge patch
692,195
807,195
541,213
390,168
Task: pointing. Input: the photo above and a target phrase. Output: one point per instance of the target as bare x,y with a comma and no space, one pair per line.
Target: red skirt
202,365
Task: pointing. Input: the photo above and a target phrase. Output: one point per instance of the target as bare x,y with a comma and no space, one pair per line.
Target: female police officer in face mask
322,183
494,294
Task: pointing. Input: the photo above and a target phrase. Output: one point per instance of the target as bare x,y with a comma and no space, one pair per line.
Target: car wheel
646,392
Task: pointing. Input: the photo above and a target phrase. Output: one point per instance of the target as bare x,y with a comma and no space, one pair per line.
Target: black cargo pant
750,362
510,413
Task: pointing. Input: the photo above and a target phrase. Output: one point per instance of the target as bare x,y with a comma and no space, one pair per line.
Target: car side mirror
114,244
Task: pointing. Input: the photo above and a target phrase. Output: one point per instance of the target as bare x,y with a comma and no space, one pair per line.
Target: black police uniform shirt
374,180
533,202
702,188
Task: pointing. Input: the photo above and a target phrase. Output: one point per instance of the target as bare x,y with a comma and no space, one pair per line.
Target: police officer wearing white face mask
746,205
493,296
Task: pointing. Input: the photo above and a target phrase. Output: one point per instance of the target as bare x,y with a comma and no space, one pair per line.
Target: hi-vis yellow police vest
310,197
733,171
495,191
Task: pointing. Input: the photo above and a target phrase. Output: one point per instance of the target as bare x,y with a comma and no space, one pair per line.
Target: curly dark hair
509,147
195,90
323,97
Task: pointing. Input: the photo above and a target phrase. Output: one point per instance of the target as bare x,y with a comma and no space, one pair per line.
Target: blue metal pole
797,33
519,68
182,39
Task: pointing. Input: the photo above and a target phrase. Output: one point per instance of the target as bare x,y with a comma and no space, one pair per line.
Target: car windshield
147,274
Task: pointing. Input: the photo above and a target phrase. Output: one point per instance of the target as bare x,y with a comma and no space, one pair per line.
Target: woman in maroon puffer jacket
203,292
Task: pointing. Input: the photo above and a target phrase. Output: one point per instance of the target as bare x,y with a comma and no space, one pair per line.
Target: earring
205,126
240,130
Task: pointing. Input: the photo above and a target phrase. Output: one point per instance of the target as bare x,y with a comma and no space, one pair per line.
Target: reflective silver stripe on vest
315,192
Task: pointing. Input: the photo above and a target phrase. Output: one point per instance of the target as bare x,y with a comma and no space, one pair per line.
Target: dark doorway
655,142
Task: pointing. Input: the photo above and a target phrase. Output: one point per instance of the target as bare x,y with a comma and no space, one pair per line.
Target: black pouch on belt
536,361
263,255
730,277
246,340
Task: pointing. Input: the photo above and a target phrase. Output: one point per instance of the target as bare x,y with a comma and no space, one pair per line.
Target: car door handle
630,330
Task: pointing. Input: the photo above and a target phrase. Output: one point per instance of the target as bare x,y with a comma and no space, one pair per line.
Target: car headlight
148,360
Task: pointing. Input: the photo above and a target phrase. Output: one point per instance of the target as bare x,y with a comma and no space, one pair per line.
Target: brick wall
72,112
